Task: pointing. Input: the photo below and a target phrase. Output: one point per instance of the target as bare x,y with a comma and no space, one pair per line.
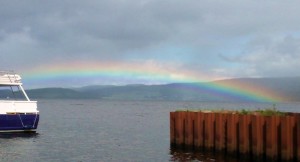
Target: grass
264,112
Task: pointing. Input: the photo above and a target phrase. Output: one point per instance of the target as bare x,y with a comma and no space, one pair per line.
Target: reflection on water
184,154
18,146
18,135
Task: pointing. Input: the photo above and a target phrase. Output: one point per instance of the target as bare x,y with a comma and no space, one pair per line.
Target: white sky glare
228,39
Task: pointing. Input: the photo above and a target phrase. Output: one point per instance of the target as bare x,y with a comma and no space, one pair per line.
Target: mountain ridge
288,86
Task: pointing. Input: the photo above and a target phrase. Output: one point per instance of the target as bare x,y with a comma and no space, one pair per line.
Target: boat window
11,93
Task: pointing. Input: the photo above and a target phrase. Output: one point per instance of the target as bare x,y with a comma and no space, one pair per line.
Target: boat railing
7,77
18,106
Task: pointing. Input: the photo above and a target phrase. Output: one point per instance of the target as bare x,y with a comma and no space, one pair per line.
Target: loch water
95,130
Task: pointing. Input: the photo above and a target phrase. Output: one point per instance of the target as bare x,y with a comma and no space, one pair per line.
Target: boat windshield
11,93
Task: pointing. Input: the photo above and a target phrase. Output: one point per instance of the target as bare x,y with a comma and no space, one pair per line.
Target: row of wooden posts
273,137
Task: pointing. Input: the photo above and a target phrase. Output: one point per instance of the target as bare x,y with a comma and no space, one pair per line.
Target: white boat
17,112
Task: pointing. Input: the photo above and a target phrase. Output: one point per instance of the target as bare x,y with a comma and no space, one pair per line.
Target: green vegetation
264,112
244,112
271,112
187,110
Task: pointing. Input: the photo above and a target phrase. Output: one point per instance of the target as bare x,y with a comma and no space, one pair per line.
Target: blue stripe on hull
18,122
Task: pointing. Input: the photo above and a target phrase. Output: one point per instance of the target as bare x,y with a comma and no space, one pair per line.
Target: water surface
95,130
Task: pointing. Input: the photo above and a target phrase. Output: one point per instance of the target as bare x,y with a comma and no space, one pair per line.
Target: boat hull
18,122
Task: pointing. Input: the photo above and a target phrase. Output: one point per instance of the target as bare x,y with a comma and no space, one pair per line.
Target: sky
148,41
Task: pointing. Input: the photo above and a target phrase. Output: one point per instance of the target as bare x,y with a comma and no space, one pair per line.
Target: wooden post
220,131
244,145
257,135
284,143
298,136
179,134
209,130
199,130
286,138
287,125
232,138
272,124
189,129
172,128
292,121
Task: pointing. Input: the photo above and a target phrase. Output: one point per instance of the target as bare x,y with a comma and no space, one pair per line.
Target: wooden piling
244,139
179,131
272,125
273,137
285,138
220,120
199,130
257,136
298,137
189,129
172,128
196,130
209,130
232,129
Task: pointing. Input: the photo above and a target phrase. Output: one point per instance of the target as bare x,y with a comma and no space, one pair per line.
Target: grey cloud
76,29
268,57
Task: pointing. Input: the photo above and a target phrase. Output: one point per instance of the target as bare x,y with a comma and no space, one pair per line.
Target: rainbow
147,73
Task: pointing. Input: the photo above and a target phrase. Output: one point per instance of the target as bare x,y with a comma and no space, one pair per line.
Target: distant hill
53,93
173,92
288,86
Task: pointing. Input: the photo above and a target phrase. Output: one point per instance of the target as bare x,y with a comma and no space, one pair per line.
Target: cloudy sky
217,39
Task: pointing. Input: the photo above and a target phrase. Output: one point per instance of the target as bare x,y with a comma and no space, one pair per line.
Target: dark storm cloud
245,34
